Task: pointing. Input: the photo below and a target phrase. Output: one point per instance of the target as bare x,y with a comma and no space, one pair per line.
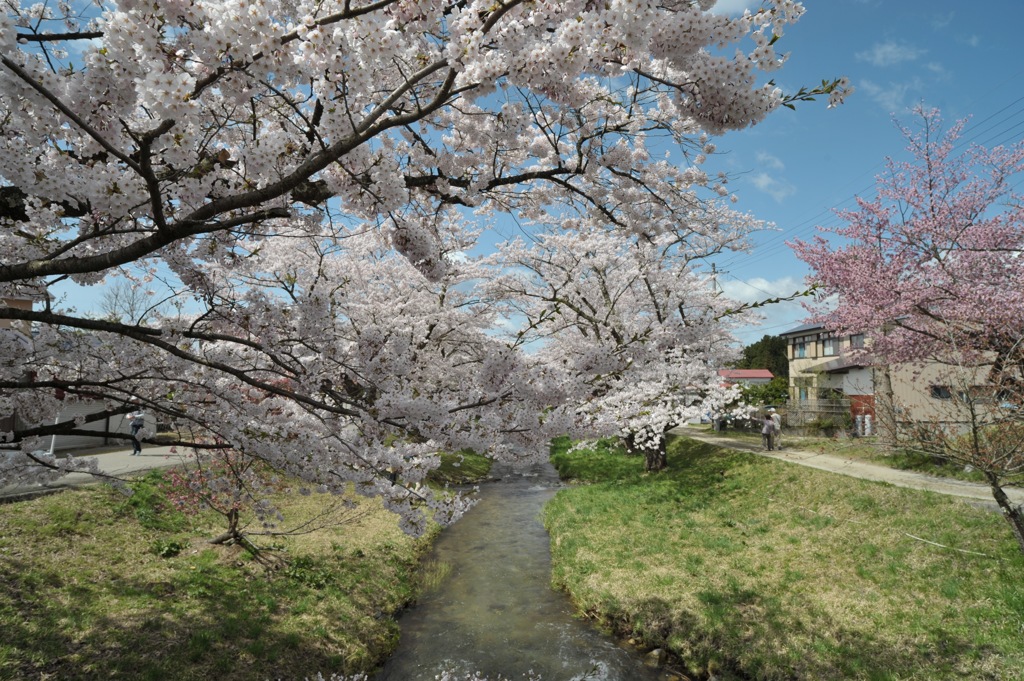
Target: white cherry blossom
307,177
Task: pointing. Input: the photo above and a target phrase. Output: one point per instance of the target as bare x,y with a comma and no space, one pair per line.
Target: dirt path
972,491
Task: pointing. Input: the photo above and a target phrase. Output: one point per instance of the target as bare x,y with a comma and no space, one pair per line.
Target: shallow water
496,613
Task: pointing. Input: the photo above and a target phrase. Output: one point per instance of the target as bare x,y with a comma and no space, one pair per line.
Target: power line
1003,129
977,130
994,129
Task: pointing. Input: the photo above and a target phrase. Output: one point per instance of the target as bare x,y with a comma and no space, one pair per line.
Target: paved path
860,469
118,463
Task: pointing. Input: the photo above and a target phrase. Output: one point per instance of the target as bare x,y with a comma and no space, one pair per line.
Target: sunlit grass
754,568
97,585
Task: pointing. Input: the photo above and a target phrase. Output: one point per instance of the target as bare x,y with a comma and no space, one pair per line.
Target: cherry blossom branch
25,77
155,337
337,17
135,251
54,37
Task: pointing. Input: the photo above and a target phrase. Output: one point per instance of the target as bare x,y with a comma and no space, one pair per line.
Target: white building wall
71,410
859,381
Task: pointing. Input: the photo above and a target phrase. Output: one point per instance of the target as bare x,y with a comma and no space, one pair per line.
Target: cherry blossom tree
930,269
980,427
269,158
627,322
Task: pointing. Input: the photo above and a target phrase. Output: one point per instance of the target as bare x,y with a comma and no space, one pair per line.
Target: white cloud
938,69
766,159
889,54
942,20
893,97
779,189
756,289
776,318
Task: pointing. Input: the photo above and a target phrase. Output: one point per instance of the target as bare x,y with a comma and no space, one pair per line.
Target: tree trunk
885,407
1010,512
655,458
231,534
629,442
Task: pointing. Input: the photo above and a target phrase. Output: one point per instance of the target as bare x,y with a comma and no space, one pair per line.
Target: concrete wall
859,381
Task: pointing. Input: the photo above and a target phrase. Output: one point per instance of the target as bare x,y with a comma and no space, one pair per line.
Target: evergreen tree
767,353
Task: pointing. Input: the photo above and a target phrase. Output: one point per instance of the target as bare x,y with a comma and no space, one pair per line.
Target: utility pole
715,287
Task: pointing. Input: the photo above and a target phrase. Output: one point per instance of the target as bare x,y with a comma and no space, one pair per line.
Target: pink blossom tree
267,159
930,270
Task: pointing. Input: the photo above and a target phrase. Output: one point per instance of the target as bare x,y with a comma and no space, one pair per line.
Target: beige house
823,366
837,375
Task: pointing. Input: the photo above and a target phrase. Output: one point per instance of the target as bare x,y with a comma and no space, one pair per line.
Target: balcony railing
803,412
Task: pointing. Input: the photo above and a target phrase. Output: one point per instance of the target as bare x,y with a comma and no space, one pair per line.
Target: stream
495,612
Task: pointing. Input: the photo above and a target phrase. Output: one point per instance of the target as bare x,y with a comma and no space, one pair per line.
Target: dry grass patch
754,568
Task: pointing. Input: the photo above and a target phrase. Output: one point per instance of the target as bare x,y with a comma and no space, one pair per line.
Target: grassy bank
97,586
753,568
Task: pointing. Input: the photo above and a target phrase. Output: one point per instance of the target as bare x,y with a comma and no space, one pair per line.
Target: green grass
97,585
747,567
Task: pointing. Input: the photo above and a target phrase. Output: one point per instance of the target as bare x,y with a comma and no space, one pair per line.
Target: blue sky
796,166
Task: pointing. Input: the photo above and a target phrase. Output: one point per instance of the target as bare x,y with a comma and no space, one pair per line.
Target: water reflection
495,612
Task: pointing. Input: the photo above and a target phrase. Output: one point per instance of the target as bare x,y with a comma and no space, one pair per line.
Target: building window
829,346
941,392
857,340
803,387
800,350
1007,399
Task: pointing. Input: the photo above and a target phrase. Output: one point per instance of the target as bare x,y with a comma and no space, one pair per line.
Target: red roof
740,374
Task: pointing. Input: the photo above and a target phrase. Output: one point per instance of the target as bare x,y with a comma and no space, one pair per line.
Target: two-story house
827,371
823,366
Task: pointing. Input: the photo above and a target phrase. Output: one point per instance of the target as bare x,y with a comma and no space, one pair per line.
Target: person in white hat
777,427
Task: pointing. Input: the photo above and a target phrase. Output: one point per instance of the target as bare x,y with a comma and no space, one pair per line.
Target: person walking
137,419
776,427
767,433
